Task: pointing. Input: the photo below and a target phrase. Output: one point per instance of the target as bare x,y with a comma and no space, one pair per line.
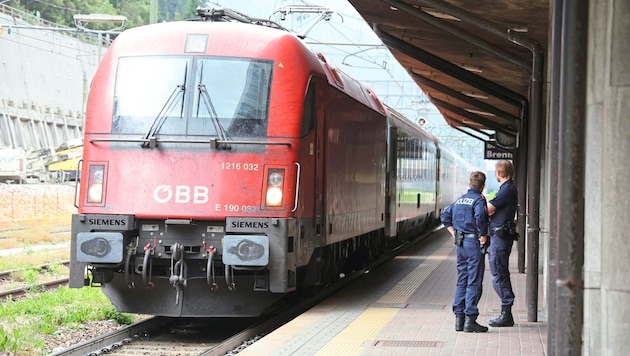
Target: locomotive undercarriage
331,262
177,268
185,268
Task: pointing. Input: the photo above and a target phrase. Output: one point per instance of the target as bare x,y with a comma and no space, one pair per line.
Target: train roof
228,38
398,120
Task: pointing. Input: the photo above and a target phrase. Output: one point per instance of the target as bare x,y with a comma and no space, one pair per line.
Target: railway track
203,336
212,336
16,293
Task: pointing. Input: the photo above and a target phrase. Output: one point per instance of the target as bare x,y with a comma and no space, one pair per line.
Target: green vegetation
136,11
18,261
22,234
24,324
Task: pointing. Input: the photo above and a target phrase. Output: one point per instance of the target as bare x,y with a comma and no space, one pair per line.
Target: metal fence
36,202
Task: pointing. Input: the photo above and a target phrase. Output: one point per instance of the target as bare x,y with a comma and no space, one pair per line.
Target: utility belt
505,231
459,237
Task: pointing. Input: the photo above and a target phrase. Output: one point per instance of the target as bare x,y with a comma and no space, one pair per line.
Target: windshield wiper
150,140
203,94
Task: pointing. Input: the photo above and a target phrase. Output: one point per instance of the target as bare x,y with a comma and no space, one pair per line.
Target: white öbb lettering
181,194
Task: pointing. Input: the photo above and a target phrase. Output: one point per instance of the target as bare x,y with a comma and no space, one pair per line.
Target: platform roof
473,59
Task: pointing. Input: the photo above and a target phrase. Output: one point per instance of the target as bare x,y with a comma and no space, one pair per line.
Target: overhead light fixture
479,112
474,95
522,29
423,72
439,14
473,123
471,68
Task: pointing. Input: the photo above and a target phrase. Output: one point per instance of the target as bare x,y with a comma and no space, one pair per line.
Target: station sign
492,151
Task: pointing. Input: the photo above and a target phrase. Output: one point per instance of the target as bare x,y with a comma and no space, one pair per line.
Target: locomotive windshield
192,96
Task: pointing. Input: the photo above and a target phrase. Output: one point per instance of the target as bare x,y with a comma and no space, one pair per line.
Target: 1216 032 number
236,166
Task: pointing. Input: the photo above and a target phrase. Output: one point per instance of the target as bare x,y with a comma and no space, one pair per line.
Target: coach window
408,157
403,158
416,160
401,153
430,166
430,154
421,159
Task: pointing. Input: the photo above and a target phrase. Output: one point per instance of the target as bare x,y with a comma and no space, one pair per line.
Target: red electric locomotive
226,165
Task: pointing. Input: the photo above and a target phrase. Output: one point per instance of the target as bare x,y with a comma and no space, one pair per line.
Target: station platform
404,308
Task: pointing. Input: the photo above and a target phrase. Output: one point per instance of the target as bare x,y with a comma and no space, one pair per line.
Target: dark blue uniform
506,203
469,216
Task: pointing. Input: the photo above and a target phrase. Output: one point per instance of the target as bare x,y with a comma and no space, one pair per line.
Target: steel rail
20,292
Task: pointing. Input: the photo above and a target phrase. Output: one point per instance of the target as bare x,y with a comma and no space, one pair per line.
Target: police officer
502,210
467,220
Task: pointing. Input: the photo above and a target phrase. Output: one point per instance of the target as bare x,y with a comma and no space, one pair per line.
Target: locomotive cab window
193,96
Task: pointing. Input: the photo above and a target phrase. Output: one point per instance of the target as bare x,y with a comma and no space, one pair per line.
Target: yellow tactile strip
350,341
365,327
408,285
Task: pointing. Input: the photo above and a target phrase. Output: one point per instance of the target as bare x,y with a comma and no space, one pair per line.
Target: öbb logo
180,194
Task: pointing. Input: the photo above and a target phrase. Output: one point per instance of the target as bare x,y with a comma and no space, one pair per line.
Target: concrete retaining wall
44,80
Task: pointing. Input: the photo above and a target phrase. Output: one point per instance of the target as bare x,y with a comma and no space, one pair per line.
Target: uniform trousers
470,268
498,258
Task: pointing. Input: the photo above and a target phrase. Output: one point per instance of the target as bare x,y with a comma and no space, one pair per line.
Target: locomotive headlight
275,185
95,193
274,196
96,175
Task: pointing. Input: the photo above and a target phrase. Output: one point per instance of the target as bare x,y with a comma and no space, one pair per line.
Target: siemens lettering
182,194
107,222
250,224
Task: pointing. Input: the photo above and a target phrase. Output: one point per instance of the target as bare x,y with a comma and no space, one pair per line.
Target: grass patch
30,235
32,276
17,261
25,323
19,234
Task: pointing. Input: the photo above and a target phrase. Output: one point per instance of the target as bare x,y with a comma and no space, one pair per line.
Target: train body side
412,176
453,177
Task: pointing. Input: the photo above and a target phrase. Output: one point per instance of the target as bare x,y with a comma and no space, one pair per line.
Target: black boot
459,322
505,319
471,326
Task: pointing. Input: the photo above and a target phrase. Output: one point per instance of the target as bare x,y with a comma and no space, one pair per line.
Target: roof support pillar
570,182
552,172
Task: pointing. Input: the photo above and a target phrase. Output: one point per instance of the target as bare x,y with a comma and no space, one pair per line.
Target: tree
136,11
62,11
